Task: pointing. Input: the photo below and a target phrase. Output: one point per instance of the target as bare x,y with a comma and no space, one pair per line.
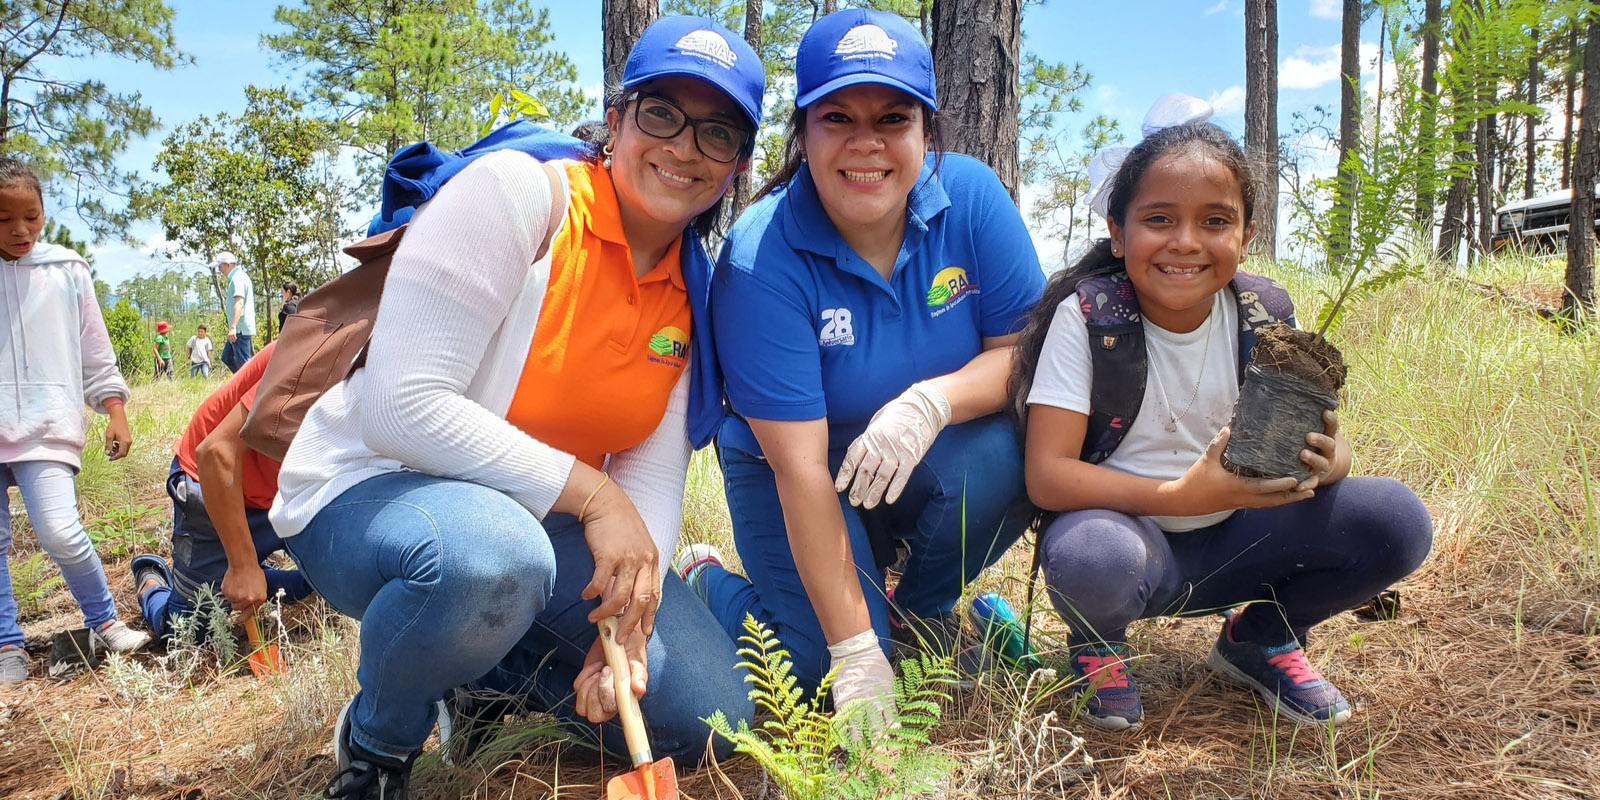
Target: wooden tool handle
252,631
627,705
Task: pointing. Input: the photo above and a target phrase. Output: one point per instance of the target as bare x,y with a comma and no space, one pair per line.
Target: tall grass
1490,413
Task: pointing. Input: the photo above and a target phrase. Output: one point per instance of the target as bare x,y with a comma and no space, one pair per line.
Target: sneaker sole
1225,668
1110,724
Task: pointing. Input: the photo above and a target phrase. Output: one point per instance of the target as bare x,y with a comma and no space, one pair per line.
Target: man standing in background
241,311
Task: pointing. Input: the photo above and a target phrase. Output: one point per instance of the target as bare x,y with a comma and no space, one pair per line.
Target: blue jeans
1296,564
963,507
52,502
455,582
199,560
200,368
236,352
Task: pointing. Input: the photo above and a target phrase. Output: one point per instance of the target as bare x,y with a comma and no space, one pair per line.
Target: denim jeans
200,368
454,582
1296,564
963,507
52,502
199,560
236,352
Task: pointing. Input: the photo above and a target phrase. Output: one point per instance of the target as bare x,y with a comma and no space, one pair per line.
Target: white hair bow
1170,111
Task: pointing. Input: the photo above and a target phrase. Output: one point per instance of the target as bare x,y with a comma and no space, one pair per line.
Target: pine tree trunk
1429,125
622,22
1529,150
1453,227
829,6
1261,112
1485,175
976,56
744,185
1580,235
1349,129
1571,108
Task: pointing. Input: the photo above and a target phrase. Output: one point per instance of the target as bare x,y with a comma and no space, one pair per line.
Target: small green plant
32,582
125,530
813,755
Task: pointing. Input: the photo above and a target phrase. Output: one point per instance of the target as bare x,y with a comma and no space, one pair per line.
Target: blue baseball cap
696,47
863,46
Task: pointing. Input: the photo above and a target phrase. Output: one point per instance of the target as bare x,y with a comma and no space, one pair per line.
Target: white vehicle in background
1537,224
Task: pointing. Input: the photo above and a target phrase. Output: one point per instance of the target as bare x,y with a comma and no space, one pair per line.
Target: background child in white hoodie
54,357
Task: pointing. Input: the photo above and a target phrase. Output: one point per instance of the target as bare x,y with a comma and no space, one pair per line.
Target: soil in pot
1293,377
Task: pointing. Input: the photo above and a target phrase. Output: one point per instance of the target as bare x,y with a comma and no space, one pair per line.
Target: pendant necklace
1171,425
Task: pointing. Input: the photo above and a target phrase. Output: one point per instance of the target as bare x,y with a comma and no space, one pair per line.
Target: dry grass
1487,687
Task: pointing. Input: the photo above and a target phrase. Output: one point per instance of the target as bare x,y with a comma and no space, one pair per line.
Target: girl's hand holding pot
1321,455
1209,487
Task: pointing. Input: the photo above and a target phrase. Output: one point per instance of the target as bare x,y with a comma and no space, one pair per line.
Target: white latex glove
896,439
863,685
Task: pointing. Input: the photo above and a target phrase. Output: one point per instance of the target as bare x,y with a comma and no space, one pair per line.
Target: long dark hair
709,222
794,147
1204,138
14,171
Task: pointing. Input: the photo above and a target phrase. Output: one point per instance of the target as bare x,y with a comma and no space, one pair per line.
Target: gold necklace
1171,425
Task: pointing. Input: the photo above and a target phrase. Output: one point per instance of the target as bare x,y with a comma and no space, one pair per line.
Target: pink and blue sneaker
1281,675
1111,701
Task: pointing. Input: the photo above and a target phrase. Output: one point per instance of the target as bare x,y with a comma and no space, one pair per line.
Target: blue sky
1137,50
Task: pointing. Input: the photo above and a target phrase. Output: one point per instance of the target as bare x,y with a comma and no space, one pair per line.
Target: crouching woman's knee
694,675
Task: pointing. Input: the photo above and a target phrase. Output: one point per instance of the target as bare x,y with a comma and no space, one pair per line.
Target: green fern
812,755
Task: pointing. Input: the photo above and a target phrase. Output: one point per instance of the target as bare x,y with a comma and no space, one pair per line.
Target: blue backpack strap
1117,360
1262,301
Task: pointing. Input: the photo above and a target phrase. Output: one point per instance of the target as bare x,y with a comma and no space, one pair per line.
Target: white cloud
1228,101
1309,68
1218,8
1326,9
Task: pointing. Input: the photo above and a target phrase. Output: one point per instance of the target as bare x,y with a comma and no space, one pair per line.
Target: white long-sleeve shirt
55,356
454,329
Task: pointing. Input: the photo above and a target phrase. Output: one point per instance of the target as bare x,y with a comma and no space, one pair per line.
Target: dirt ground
1459,698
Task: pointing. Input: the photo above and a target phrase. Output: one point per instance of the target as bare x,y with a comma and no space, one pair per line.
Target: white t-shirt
240,285
199,349
1180,364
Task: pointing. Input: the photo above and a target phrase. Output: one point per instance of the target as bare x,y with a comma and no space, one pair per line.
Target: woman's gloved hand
863,684
880,460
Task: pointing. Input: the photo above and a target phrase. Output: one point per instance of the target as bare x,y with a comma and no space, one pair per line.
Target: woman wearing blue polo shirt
864,312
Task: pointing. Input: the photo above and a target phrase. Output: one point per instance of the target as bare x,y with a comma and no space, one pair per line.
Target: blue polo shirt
807,329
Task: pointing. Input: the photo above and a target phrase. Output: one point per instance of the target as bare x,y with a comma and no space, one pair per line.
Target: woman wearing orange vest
509,465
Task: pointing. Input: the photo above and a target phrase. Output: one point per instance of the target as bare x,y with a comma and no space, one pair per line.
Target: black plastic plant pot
1270,422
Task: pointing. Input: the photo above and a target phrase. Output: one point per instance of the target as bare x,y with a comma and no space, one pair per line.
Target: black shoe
362,775
149,567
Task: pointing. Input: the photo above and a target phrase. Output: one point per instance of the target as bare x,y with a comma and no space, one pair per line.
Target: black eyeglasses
719,141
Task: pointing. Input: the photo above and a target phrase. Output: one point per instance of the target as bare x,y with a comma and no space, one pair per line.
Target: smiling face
669,182
21,219
865,146
1183,238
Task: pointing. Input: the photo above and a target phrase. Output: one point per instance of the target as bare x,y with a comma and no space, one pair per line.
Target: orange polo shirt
609,345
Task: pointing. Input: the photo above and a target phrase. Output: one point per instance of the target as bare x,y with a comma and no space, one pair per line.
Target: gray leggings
1297,565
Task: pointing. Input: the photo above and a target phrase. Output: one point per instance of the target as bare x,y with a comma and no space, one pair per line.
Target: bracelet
605,477
111,401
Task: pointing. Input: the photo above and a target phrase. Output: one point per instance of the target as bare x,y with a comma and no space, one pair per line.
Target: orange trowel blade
264,660
657,781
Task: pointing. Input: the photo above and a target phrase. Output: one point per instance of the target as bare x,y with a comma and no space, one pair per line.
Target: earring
607,151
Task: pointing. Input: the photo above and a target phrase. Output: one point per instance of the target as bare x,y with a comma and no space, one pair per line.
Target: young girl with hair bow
1148,521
